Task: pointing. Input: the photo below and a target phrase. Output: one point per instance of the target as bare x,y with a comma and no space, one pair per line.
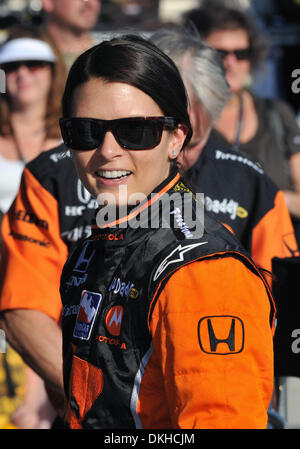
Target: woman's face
237,70
29,85
106,169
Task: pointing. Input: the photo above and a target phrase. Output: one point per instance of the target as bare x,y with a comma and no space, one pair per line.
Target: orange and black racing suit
52,213
165,326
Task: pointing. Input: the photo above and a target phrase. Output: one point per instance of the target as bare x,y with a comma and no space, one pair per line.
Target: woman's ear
178,137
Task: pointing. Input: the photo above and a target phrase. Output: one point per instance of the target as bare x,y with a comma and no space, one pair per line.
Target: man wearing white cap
68,22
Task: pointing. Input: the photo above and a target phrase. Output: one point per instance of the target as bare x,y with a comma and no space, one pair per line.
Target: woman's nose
109,147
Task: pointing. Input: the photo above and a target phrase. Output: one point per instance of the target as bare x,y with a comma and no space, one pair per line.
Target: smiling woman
122,155
147,123
125,119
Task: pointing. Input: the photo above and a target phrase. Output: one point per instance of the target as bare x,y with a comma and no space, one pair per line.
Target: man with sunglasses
52,193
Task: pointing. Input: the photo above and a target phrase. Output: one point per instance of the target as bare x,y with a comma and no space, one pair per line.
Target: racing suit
166,326
52,213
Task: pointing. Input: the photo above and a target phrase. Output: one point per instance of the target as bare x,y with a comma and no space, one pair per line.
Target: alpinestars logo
177,255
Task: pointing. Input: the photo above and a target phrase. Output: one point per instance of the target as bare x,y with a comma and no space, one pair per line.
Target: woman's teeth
111,174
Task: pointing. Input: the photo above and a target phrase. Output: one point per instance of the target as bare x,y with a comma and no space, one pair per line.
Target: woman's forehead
109,100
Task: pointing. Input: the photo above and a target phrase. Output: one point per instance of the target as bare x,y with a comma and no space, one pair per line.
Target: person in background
30,107
69,23
265,130
29,113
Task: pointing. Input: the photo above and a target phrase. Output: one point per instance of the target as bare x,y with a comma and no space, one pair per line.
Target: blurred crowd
280,20
39,42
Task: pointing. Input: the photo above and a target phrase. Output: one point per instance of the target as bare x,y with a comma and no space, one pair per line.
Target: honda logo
221,335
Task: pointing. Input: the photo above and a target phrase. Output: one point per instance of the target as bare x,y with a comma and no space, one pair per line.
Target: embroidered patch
89,305
113,320
221,335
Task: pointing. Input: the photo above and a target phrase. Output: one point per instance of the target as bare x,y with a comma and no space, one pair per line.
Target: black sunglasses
133,133
9,67
240,54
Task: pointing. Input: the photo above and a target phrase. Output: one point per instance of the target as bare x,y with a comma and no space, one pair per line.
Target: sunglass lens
81,134
138,134
10,67
242,54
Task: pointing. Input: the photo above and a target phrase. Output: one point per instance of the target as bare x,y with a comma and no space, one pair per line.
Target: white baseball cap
26,49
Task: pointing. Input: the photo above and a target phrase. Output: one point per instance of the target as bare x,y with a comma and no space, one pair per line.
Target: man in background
69,24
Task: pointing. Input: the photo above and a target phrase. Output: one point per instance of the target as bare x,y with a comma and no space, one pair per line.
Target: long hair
59,75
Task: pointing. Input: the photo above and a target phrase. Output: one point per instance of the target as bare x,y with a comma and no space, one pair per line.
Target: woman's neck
31,117
28,132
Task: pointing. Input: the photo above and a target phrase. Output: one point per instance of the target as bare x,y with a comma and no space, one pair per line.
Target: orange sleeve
274,235
33,251
206,382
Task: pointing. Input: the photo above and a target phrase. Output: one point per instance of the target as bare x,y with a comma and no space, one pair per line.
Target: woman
143,317
265,130
30,108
